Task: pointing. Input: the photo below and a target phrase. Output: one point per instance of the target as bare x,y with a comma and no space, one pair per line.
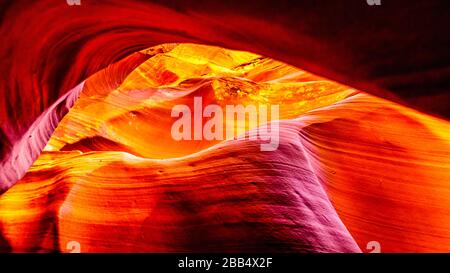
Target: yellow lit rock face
350,168
136,115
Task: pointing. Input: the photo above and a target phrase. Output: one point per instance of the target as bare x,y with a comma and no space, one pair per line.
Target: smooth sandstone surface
351,168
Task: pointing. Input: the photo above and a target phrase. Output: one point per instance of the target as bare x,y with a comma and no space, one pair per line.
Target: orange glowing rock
136,116
350,168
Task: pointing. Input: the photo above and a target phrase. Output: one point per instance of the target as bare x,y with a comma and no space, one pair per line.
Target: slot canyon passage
348,168
97,163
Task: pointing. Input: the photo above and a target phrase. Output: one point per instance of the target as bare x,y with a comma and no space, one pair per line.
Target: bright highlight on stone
348,169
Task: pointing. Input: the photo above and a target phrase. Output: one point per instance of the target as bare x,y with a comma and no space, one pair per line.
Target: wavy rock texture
350,168
25,151
397,51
